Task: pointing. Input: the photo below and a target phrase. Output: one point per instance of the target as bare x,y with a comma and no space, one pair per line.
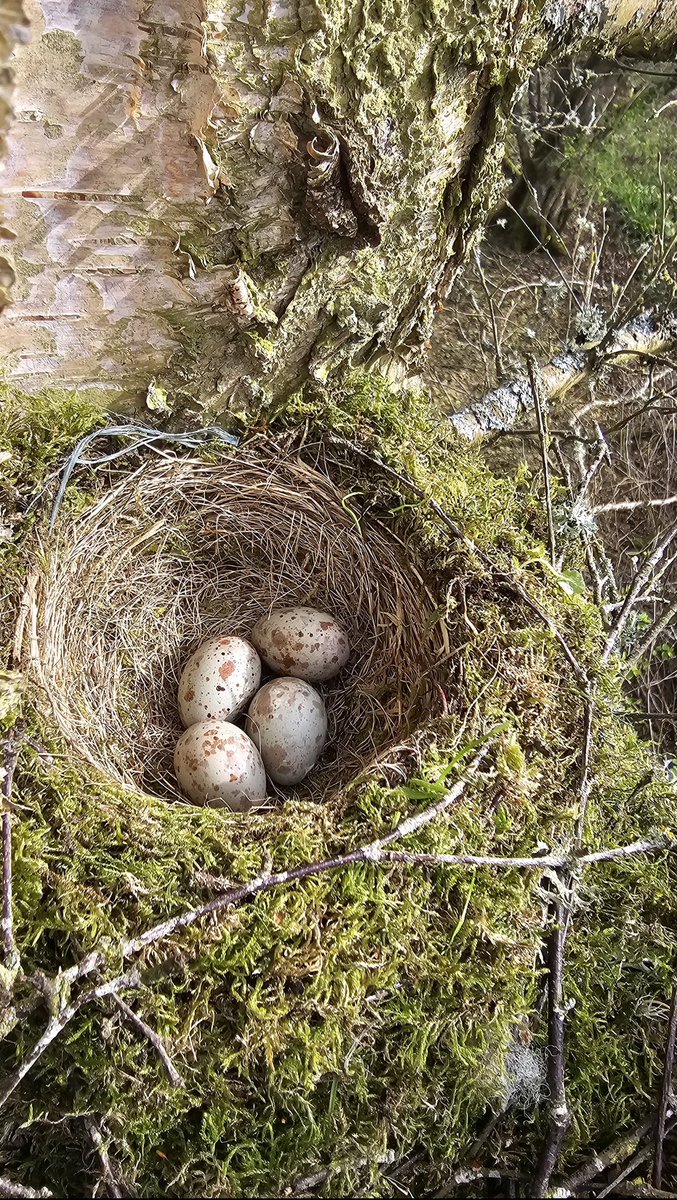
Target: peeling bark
234,195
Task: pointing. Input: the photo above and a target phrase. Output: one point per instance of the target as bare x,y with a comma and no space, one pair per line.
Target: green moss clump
361,1017
624,169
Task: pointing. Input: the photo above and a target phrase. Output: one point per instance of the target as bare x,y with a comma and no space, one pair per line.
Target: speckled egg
219,680
302,642
217,764
288,723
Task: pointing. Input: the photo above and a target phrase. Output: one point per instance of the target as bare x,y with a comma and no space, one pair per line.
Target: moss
624,169
359,1017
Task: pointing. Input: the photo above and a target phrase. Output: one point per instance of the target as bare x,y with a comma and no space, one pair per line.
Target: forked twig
619,1150
57,1024
642,577
656,630
154,1038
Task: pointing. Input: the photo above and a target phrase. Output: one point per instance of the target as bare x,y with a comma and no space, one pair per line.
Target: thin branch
617,1152
542,423
644,335
631,505
492,315
154,1038
654,633
586,780
542,862
560,1117
264,883
640,581
602,454
631,1167
11,754
12,1190
107,1174
657,1176
644,1191
57,1024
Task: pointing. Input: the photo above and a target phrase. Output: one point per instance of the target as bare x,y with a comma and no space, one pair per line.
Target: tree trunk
236,196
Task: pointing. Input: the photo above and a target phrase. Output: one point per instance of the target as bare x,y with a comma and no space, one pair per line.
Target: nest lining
180,550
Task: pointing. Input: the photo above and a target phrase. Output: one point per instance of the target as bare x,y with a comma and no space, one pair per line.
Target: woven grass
181,549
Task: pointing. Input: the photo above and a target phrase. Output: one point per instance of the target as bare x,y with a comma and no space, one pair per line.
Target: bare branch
492,315
542,423
500,409
107,1174
657,1176
154,1038
19,1191
263,883
619,1150
560,1117
655,632
57,1024
631,505
640,581
540,862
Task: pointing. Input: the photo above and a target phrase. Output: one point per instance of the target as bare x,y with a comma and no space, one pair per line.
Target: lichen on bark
237,195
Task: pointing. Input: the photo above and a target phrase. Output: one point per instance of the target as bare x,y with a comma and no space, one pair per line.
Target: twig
562,917
631,505
11,1189
654,633
615,1153
643,1190
108,1176
642,577
657,1176
11,754
560,1116
57,1024
593,470
95,960
492,315
631,1167
543,862
586,781
542,423
153,1037
264,883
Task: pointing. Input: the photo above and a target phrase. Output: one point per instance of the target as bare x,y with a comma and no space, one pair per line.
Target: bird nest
181,549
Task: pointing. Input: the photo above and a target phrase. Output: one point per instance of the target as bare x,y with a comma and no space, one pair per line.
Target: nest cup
182,549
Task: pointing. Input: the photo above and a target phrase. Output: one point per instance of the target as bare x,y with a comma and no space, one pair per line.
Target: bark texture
233,196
